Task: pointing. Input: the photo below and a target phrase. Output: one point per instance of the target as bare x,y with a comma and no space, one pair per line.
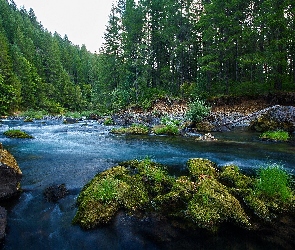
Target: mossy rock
199,168
231,176
266,123
16,133
132,130
206,198
213,204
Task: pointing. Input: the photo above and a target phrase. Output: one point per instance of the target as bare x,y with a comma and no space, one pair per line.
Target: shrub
275,135
197,110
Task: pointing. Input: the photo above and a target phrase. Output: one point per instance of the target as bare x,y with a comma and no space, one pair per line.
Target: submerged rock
10,175
55,192
3,222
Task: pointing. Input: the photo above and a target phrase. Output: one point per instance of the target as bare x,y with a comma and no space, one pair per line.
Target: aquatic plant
16,133
274,182
278,135
134,129
170,129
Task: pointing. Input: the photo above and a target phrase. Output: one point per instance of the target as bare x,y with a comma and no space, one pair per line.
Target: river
73,153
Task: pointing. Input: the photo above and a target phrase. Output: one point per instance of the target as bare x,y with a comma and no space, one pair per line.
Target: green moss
134,129
16,133
275,135
200,168
170,129
206,198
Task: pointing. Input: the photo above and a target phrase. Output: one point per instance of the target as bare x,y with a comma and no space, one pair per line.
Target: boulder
3,222
55,192
276,118
10,175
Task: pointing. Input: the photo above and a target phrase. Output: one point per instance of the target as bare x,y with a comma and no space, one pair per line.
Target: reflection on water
73,154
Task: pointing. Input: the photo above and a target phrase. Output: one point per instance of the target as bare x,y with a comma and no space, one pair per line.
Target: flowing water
72,154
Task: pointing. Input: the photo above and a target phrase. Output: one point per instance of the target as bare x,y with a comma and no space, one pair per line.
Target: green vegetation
273,183
134,129
166,130
205,198
275,135
197,111
16,133
178,49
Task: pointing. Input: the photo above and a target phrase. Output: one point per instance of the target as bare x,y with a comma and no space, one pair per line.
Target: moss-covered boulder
199,168
16,133
207,197
213,204
276,118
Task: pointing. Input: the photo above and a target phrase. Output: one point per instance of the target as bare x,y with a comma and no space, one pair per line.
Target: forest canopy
153,48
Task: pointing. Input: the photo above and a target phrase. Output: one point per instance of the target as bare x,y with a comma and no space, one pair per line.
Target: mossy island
206,197
16,133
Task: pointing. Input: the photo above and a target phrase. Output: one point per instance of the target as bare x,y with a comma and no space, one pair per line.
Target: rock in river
3,222
10,175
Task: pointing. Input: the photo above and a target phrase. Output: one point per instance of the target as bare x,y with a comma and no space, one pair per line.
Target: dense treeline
153,48
40,70
197,47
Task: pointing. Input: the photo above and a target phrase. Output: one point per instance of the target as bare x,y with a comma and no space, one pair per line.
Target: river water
72,154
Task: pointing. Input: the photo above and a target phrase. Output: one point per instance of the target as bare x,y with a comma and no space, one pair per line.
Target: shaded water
73,154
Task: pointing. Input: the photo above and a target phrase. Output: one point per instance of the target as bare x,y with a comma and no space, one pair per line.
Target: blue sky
83,21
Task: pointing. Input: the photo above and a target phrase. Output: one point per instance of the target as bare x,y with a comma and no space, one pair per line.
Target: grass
134,129
170,129
274,182
275,135
16,133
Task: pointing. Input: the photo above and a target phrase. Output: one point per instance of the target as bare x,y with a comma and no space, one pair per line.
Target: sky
83,21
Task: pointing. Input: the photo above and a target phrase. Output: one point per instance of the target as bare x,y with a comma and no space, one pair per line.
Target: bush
197,111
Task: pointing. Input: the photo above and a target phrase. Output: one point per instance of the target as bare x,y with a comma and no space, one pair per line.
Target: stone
3,222
55,192
10,175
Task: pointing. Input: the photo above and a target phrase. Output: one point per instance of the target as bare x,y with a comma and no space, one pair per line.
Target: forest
153,48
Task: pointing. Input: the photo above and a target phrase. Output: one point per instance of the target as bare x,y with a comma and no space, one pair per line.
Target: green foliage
274,182
197,110
16,133
169,129
275,135
134,129
33,114
108,121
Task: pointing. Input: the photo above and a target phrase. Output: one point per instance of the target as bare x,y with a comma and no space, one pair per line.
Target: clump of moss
134,129
199,168
16,133
166,130
108,121
213,204
278,135
206,197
